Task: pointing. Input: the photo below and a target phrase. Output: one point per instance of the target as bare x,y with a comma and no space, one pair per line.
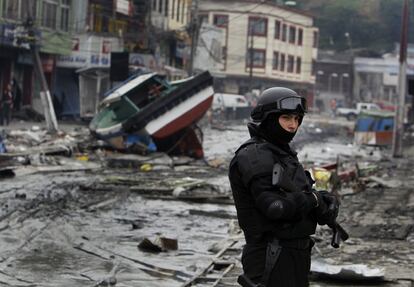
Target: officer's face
289,122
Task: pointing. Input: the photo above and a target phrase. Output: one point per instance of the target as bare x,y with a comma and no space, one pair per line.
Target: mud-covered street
73,221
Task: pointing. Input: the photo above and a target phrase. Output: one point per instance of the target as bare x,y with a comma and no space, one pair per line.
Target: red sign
106,47
75,44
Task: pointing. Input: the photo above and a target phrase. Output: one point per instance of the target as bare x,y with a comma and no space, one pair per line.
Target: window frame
217,16
252,32
64,7
275,61
298,65
263,62
15,9
290,64
284,33
178,10
172,16
201,17
183,12
292,34
167,4
278,27
300,36
313,67
315,39
44,21
160,6
282,62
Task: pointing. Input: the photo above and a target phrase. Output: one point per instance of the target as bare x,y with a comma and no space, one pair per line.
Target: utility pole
251,58
194,31
45,97
398,133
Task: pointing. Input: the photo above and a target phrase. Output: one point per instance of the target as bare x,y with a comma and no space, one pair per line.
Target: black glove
327,209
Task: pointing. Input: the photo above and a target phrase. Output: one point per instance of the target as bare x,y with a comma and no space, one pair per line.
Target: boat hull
182,115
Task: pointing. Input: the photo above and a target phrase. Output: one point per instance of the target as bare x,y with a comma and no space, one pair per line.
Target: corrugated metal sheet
374,129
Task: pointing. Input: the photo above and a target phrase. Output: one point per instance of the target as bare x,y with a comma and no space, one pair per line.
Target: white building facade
283,42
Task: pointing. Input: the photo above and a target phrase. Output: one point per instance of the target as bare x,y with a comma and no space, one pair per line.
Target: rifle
281,180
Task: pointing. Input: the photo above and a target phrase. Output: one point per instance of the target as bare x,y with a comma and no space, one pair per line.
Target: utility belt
274,247
296,243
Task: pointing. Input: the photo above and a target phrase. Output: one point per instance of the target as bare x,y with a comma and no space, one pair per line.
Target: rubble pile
74,212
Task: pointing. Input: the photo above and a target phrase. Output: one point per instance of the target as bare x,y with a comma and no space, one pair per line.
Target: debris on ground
72,205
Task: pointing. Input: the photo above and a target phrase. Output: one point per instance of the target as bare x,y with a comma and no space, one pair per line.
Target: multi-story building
170,21
263,44
99,29
334,80
52,22
376,79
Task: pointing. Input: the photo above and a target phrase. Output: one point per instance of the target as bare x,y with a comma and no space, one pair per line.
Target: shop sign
123,7
143,60
75,44
106,46
100,60
16,36
72,61
89,52
182,50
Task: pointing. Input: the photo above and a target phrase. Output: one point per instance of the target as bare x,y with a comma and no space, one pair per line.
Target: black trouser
291,268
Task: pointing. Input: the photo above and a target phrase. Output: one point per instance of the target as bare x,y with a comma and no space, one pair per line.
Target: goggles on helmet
287,104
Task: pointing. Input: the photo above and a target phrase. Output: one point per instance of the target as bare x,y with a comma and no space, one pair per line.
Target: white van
230,106
225,101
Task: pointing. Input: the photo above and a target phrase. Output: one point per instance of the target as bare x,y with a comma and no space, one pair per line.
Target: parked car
352,113
221,101
231,106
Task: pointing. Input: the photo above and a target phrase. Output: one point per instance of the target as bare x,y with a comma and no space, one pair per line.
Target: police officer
277,222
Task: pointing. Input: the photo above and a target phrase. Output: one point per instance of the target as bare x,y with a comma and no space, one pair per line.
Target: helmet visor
293,103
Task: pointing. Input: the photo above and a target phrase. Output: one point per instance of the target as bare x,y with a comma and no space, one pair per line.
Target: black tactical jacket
250,177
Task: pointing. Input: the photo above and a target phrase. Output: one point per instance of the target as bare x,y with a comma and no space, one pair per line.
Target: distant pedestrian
333,106
6,105
17,96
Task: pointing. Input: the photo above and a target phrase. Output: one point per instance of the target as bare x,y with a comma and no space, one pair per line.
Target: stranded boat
148,112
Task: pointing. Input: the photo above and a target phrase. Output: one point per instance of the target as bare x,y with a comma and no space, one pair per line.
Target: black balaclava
273,132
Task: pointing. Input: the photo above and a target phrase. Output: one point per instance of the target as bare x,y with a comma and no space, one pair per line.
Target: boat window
146,92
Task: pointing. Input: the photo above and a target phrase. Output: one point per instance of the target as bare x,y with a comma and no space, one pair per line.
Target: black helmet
275,100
